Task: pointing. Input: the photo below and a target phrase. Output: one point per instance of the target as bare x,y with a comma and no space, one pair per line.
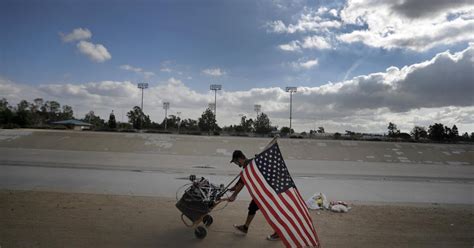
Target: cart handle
227,187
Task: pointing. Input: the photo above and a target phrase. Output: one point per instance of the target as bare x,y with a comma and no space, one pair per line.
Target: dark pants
253,207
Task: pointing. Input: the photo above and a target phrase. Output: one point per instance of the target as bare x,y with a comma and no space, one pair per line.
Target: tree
454,135
51,110
94,119
67,113
320,129
285,131
419,132
392,130
112,123
36,109
207,121
138,119
6,114
22,116
436,132
247,125
171,122
189,124
262,124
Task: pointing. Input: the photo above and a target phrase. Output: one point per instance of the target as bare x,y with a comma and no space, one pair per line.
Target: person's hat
236,155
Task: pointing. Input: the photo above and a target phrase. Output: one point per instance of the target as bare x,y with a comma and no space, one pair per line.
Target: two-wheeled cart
198,200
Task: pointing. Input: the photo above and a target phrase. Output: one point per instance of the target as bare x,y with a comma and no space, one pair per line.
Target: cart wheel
207,220
200,232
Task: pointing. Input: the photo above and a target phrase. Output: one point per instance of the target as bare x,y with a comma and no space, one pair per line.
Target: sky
358,64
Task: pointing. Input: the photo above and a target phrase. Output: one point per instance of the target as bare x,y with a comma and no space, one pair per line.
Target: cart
197,202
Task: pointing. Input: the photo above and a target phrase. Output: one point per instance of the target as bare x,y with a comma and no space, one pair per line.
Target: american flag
272,188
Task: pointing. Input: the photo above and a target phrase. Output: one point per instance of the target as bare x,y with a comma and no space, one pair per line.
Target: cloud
419,9
310,21
96,52
436,90
409,24
145,74
291,47
315,42
214,72
309,42
304,64
76,34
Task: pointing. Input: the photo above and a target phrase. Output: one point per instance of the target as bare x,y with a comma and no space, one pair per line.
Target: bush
157,131
11,126
59,127
127,130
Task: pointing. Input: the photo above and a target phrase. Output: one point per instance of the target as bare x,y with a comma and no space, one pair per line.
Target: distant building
74,124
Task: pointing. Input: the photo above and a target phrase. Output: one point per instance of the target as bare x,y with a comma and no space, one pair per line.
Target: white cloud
309,64
214,72
436,90
304,64
291,47
315,42
309,42
95,52
410,24
310,21
76,34
145,74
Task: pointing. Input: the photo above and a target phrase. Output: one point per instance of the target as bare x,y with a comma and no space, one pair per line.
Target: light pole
166,106
211,106
142,86
291,90
215,88
179,119
257,108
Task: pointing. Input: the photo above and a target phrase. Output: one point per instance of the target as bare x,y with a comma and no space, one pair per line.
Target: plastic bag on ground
317,201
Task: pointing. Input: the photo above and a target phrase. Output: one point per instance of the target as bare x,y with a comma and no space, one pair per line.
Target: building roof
72,122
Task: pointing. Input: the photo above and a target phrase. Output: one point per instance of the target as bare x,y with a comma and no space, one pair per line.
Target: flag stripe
298,216
281,207
270,218
307,213
301,208
267,200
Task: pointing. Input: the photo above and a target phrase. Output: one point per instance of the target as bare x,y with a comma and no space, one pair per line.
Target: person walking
240,160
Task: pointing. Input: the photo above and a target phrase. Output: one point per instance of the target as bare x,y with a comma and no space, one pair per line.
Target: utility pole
291,90
142,86
166,106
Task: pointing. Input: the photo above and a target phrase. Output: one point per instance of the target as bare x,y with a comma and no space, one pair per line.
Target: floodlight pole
166,106
215,88
142,86
179,120
257,108
291,90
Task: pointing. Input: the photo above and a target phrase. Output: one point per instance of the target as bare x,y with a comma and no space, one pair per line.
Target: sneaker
273,237
242,228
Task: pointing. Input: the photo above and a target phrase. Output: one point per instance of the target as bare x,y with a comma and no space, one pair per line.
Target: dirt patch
46,219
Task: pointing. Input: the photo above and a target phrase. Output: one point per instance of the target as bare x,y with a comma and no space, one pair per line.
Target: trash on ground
319,201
